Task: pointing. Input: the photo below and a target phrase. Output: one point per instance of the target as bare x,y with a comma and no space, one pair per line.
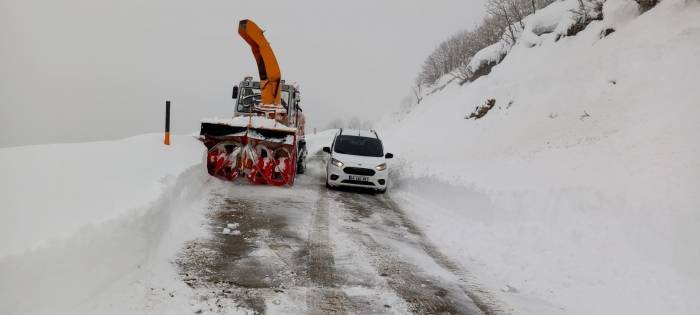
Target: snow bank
55,190
92,227
578,191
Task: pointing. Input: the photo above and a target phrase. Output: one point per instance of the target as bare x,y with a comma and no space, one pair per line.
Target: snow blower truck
264,141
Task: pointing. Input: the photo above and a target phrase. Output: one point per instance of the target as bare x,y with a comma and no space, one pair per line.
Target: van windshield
358,145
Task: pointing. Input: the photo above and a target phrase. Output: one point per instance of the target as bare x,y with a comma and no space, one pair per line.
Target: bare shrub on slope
587,12
504,21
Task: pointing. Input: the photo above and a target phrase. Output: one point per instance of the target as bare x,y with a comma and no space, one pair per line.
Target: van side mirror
388,155
235,92
327,149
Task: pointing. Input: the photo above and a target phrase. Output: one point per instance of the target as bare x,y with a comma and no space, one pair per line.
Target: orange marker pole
167,122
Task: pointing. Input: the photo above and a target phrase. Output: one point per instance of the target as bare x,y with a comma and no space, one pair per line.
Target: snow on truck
264,141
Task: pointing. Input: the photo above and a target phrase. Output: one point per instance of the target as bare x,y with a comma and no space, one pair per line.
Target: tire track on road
424,293
486,303
324,297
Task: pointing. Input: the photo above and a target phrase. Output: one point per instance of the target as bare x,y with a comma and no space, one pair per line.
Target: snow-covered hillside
578,192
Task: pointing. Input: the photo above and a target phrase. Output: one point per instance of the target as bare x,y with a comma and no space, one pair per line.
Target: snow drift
579,188
90,228
57,189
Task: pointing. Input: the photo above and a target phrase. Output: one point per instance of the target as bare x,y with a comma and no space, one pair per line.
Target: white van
357,160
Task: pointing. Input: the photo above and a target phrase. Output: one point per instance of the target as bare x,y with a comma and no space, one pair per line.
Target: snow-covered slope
579,189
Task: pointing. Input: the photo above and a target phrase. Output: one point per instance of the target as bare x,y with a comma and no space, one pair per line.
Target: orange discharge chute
269,70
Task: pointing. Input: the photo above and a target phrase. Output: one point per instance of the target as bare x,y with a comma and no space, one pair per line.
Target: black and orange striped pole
167,122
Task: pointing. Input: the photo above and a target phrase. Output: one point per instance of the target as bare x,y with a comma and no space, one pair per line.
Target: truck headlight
380,167
337,163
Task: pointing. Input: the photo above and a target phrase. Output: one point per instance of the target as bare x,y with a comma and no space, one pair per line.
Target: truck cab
247,95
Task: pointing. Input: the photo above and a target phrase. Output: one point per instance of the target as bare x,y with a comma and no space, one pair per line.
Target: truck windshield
358,145
251,96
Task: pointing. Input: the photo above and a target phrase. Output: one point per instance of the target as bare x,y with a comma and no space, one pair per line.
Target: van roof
361,133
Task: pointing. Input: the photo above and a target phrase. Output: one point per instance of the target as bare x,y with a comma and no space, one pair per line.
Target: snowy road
312,250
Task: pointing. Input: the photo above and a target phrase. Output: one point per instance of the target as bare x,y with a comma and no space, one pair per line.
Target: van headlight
337,163
380,167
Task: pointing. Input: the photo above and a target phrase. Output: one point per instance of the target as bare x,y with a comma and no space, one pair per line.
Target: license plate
359,178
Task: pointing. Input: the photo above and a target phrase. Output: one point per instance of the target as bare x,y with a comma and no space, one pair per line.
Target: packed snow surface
578,192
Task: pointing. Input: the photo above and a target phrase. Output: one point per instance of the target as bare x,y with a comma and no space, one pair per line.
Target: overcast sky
79,70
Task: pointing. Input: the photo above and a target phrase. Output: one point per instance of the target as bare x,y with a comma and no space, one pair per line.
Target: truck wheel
301,167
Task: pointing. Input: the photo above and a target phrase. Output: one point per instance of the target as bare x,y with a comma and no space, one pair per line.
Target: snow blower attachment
264,141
